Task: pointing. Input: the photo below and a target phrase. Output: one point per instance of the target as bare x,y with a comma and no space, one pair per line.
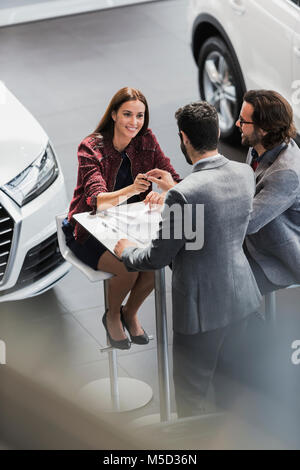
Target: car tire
221,83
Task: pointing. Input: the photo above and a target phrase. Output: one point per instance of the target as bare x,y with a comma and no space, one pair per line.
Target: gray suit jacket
212,286
274,230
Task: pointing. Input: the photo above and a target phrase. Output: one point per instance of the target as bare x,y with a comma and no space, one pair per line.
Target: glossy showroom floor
65,70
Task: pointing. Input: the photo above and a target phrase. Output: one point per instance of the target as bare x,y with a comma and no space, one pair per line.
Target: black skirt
88,252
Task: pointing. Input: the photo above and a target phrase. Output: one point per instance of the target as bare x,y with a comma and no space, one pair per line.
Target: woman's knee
108,263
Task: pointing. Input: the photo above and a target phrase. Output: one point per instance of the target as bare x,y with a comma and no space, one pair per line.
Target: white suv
32,193
245,44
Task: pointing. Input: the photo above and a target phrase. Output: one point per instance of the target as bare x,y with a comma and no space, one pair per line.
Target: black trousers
199,361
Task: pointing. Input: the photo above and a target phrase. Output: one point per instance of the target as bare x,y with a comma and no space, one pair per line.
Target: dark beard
184,151
252,140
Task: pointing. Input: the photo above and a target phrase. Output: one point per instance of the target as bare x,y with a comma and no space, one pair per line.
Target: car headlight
34,179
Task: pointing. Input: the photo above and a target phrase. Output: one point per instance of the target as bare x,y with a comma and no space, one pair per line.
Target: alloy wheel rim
219,89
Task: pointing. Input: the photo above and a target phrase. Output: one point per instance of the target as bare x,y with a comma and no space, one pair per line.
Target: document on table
136,221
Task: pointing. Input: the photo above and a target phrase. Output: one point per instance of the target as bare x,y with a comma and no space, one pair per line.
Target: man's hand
162,178
121,245
154,198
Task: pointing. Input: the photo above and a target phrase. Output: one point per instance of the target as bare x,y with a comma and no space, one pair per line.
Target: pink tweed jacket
98,166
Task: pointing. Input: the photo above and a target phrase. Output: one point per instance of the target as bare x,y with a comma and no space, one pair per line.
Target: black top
124,177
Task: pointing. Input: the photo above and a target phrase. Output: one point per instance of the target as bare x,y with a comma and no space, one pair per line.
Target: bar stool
114,393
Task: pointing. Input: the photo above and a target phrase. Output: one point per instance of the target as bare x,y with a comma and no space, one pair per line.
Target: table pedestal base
132,394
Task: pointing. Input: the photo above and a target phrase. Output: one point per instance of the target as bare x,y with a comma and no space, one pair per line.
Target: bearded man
273,235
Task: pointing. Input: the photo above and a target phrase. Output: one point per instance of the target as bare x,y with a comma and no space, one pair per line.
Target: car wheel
221,84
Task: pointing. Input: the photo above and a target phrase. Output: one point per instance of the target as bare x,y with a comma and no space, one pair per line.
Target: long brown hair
106,125
272,113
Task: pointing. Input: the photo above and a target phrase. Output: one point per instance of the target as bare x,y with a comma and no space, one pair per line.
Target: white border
50,9
2,352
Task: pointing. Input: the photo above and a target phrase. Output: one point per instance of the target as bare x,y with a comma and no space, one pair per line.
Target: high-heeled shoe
121,344
139,339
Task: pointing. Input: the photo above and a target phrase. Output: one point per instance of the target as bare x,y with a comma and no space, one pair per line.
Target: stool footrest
110,348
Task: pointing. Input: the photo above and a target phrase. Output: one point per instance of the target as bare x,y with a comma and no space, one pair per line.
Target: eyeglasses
242,121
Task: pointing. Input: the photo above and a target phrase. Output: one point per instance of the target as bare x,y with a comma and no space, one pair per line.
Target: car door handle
297,51
238,6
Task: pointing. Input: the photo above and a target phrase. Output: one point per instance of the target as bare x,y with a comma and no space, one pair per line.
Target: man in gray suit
213,287
273,234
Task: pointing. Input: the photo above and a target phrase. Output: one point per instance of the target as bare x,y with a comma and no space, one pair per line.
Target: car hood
22,139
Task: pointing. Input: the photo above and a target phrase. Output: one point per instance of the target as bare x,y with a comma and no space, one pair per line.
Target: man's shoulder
187,184
240,166
287,164
241,171
289,158
231,167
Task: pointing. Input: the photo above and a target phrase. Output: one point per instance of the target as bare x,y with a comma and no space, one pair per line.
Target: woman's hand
141,184
154,198
162,178
108,200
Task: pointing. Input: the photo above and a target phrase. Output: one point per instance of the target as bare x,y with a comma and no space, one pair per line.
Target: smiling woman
112,162
129,120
